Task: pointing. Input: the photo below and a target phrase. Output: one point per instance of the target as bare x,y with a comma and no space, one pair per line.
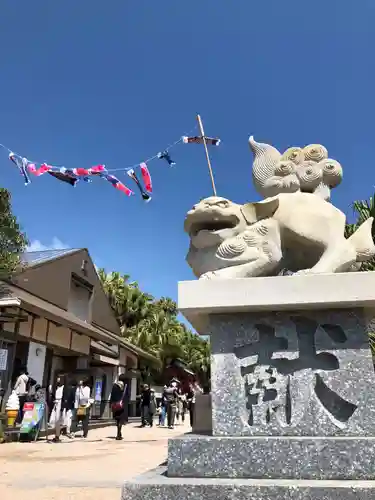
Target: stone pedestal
293,392
202,414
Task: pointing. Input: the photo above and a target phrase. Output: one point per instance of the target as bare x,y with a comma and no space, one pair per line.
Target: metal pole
207,155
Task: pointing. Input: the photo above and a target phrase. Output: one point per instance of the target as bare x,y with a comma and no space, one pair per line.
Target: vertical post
207,155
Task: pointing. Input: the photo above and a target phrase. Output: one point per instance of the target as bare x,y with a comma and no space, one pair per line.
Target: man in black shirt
146,406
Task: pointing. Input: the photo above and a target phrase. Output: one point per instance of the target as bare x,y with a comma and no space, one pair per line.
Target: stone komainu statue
294,228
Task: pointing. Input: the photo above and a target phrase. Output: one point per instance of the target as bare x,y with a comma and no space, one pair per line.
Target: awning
9,302
140,352
106,359
134,349
106,350
53,313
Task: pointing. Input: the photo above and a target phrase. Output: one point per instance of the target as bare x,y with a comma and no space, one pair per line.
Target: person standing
163,409
177,414
147,406
56,415
152,408
22,387
82,406
118,402
194,389
67,406
179,407
182,402
171,397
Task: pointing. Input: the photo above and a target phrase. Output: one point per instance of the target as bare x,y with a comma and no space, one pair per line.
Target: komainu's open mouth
213,225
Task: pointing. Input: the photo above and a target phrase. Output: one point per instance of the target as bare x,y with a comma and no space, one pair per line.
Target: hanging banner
117,184
21,164
146,177
199,140
98,389
3,359
131,173
166,156
72,176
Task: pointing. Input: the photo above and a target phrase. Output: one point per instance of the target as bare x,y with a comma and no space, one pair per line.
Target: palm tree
167,305
152,324
129,303
197,355
159,334
363,209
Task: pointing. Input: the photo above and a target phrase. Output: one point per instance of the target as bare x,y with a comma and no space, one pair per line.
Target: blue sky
114,82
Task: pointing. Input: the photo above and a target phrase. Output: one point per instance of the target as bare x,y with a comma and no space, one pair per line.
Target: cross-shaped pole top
207,155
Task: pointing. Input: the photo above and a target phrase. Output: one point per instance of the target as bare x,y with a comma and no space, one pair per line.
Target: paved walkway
81,469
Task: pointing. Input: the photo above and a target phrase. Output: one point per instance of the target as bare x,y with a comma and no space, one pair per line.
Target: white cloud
38,246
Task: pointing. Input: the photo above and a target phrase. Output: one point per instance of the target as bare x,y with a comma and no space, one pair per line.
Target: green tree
363,209
153,325
129,303
167,305
197,355
12,240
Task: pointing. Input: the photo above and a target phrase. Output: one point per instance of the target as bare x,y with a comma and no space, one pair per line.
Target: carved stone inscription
268,379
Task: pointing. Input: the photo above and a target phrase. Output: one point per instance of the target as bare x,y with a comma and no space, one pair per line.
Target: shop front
10,319
68,328
45,339
104,365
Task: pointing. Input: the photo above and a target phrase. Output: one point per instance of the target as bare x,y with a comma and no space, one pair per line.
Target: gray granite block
155,485
302,373
272,457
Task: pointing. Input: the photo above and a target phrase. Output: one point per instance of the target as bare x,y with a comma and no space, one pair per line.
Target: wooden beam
4,318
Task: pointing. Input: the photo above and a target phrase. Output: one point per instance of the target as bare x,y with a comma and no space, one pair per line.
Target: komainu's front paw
303,272
208,276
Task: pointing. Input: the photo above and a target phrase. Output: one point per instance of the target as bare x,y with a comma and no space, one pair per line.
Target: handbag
119,405
81,410
53,417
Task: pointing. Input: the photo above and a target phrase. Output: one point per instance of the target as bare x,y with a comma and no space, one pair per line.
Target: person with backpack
119,403
148,406
22,387
171,397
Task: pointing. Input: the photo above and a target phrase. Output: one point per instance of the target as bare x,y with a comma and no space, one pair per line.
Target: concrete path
80,469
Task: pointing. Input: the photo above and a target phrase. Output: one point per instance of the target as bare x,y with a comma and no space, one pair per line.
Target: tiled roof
33,258
5,291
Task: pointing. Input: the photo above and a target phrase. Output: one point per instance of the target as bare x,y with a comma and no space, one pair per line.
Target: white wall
36,360
133,392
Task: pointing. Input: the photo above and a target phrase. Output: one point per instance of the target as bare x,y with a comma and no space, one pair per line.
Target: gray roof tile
34,258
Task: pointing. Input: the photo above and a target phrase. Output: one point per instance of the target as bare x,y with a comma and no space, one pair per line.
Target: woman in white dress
56,415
